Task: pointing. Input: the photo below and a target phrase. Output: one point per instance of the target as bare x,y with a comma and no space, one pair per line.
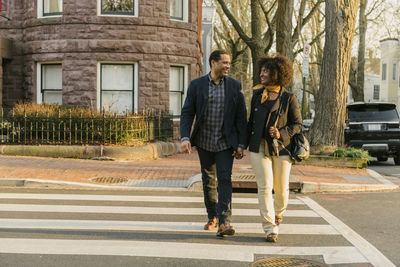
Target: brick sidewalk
176,167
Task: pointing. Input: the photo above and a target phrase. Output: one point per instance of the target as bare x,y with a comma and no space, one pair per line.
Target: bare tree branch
234,22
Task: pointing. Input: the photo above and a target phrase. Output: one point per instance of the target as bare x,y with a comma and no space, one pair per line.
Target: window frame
185,12
384,71
376,91
184,86
119,14
134,91
42,14
40,92
394,72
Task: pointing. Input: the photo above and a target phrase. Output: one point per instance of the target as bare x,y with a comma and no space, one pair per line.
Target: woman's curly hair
280,69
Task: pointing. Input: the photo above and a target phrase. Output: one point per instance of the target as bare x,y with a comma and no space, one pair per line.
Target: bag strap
282,105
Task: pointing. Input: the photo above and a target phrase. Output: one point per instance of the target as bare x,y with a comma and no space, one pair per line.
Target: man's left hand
238,154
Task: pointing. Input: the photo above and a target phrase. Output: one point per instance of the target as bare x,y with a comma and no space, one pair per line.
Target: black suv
374,127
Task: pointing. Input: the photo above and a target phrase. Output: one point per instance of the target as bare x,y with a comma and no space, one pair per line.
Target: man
219,133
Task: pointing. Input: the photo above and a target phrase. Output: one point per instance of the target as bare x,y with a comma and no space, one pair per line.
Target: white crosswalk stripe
356,250
238,200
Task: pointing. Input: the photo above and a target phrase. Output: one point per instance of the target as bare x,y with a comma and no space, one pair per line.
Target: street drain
109,180
286,262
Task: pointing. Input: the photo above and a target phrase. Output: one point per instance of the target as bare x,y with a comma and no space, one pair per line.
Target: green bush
31,123
351,152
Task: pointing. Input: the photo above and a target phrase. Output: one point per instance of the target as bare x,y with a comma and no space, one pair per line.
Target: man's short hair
216,55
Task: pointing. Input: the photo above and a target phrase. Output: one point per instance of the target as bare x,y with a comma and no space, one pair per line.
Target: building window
48,8
376,92
51,83
118,7
384,72
178,10
176,89
117,87
394,72
177,85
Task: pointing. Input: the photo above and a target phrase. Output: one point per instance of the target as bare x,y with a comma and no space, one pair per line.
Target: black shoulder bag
300,147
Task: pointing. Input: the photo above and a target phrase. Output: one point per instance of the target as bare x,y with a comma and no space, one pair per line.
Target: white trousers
271,172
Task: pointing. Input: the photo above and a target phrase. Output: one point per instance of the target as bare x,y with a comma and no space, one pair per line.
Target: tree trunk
328,126
284,28
361,50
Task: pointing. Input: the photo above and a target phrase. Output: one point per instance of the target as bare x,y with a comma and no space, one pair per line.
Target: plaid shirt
210,131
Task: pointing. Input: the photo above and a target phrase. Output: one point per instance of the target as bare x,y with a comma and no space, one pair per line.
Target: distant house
390,73
112,54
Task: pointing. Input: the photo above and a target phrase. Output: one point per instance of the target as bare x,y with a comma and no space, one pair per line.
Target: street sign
306,51
305,67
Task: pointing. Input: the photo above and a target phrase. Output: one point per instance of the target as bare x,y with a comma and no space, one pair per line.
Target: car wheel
397,159
382,158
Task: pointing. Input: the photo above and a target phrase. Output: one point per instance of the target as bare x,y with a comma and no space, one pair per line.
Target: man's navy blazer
234,127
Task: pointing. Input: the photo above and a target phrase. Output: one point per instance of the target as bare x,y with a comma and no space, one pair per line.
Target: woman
270,158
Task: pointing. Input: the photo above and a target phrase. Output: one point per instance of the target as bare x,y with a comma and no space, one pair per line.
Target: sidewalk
176,172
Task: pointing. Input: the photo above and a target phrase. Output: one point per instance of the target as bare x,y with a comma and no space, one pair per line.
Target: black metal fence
72,129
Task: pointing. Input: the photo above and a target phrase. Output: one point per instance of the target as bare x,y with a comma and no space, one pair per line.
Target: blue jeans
217,165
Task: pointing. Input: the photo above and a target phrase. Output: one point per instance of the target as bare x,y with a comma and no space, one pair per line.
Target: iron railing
107,129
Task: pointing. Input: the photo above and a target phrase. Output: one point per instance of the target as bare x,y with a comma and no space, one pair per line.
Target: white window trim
135,82
185,10
39,94
135,11
185,82
40,11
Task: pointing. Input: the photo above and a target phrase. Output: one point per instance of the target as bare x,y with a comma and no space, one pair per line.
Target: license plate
374,127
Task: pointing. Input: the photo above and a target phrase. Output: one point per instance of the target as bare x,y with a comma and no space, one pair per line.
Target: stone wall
80,39
13,78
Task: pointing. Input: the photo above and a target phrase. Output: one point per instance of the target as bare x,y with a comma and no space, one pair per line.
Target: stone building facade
117,54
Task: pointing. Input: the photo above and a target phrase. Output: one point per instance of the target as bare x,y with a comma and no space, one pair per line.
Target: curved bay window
117,87
118,7
51,83
176,89
52,7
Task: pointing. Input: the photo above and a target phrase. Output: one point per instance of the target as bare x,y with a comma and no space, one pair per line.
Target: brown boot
272,237
278,219
225,230
211,224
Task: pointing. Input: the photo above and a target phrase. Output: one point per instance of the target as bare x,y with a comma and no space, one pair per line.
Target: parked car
374,127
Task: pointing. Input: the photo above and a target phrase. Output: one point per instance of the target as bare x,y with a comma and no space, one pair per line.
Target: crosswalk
164,225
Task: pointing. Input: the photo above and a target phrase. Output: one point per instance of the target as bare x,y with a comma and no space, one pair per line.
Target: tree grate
287,262
109,180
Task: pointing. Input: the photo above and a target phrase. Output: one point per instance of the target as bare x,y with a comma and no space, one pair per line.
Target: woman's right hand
274,132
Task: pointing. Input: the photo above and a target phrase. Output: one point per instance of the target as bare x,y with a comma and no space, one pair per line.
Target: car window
373,114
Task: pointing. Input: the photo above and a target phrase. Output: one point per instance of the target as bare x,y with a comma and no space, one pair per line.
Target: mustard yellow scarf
267,90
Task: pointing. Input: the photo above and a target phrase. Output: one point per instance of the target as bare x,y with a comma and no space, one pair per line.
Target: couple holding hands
221,132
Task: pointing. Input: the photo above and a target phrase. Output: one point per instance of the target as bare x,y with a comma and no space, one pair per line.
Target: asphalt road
148,228
385,167
375,216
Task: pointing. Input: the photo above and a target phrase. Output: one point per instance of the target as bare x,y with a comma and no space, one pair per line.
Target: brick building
116,54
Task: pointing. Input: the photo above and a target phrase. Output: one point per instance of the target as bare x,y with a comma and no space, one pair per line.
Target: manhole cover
109,180
286,262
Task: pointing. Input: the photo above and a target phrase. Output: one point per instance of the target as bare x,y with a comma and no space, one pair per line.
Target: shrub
351,152
56,124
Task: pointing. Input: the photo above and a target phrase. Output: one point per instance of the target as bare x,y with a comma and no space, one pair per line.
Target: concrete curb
385,185
146,152
311,187
29,182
